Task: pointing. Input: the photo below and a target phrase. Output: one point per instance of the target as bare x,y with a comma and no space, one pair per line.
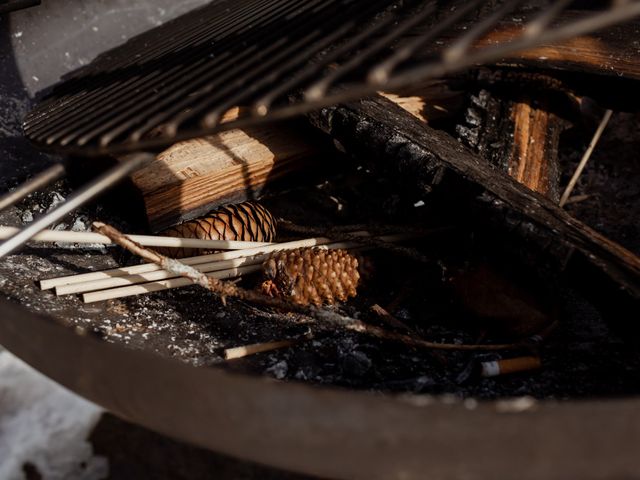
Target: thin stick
585,157
578,198
176,282
226,289
196,260
246,350
372,241
156,281
147,240
390,319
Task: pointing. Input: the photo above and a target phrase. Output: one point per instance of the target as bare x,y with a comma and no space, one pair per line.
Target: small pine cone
311,275
247,221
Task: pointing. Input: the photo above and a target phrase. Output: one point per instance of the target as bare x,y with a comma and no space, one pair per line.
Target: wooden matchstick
153,276
163,285
197,260
67,236
158,280
246,350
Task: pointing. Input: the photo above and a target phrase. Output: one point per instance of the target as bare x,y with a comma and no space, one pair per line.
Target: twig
577,198
246,350
585,157
371,241
226,289
390,319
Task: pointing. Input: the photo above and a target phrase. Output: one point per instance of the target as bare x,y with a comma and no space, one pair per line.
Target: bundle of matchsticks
237,259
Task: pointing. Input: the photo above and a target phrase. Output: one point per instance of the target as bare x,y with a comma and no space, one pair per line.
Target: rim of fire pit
333,432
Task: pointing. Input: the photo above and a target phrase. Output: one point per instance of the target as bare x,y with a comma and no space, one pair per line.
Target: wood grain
190,178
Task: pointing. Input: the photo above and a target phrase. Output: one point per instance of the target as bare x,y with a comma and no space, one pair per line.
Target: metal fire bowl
327,432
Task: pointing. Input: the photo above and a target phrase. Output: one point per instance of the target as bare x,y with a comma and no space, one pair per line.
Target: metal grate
278,58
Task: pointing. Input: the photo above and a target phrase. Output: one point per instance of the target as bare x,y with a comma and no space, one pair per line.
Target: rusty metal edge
330,432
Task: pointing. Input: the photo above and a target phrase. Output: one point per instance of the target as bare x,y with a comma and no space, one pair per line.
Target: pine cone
247,221
311,275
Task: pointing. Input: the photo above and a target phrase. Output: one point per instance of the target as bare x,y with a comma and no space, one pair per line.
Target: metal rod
42,179
77,199
459,48
380,73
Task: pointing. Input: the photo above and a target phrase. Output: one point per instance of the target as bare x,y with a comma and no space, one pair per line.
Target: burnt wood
519,135
378,130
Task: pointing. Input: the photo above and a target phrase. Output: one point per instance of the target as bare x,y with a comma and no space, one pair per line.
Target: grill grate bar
319,89
215,77
380,73
164,88
108,91
178,80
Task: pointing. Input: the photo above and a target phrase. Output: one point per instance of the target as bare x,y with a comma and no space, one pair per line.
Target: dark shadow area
134,452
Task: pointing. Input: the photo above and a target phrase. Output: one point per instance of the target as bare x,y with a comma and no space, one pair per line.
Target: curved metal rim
328,432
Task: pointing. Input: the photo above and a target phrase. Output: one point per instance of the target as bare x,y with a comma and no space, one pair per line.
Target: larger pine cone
311,275
247,221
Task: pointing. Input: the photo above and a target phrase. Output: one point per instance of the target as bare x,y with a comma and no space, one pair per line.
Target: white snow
46,425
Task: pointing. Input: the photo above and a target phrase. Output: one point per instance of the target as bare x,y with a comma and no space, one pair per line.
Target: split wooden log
610,51
519,135
380,132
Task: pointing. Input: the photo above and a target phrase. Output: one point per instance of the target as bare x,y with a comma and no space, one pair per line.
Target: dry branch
368,240
227,289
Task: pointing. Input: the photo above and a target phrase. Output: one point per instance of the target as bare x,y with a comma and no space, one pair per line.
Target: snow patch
43,424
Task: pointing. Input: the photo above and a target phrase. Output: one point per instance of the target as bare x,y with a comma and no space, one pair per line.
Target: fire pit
347,404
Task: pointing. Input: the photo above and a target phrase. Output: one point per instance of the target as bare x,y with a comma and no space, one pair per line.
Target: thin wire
42,179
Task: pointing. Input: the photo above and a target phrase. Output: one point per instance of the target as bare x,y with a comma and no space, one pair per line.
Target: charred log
420,156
